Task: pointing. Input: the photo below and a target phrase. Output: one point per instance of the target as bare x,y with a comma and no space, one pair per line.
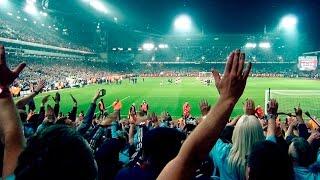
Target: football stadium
171,89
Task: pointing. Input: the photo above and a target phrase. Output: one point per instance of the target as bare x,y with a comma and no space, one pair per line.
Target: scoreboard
307,63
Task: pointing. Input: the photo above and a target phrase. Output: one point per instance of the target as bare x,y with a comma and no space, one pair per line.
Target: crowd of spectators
78,73
29,30
44,143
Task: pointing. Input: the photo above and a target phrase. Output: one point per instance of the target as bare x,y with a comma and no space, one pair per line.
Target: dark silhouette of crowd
43,143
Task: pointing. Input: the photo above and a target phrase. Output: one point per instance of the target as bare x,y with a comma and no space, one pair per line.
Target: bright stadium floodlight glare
163,46
251,45
98,5
148,46
3,3
289,22
183,23
264,45
43,14
30,7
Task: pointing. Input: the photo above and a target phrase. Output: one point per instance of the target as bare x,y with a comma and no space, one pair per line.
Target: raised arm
25,100
10,125
73,113
56,104
272,109
201,140
87,121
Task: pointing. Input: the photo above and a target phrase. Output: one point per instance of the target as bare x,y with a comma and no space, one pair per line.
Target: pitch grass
171,97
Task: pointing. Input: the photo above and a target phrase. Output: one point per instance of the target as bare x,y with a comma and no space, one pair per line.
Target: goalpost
205,77
205,74
309,100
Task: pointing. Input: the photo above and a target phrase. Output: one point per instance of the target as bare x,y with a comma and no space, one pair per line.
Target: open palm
6,75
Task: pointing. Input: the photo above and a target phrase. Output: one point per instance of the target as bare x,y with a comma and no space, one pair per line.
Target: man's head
268,161
300,152
160,146
58,152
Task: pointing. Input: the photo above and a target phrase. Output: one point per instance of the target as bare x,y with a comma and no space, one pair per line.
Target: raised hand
10,126
249,107
56,98
272,107
41,84
100,93
298,111
45,99
73,99
233,82
204,107
6,75
315,135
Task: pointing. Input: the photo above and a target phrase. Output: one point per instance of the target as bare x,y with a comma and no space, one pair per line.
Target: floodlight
3,3
43,14
264,45
163,46
183,23
30,8
250,45
288,22
129,49
148,46
98,5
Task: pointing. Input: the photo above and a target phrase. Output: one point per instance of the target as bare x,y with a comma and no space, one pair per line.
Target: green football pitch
171,97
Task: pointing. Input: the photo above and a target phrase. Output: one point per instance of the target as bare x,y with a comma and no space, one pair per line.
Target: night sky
222,16
211,16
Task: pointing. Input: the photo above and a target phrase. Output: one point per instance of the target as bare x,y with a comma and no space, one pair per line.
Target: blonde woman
231,158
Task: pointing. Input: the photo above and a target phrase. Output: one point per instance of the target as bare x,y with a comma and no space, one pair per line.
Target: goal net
309,100
205,74
205,77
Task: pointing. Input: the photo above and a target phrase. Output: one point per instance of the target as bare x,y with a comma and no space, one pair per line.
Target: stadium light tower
183,23
264,45
288,22
250,45
98,5
3,2
30,7
148,46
